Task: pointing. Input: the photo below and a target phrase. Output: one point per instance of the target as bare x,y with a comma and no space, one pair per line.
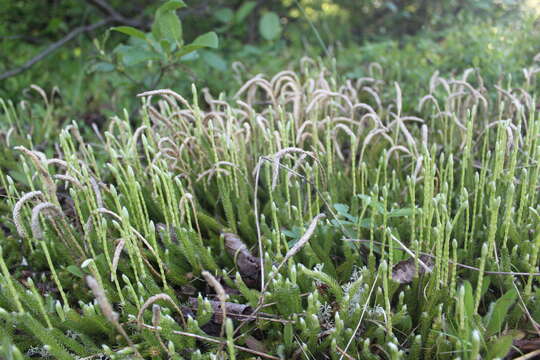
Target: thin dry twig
343,353
530,355
215,341
107,9
151,300
222,296
108,311
298,246
469,267
257,223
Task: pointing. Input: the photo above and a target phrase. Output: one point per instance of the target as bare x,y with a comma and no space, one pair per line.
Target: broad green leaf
102,67
190,57
131,31
269,26
341,208
225,15
289,233
365,223
468,300
166,45
133,55
167,26
485,285
138,56
209,39
156,31
75,270
214,60
498,311
244,11
369,201
185,50
171,6
500,347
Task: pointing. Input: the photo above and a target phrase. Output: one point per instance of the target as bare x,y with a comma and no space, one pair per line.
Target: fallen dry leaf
234,311
255,344
249,266
405,271
524,346
239,312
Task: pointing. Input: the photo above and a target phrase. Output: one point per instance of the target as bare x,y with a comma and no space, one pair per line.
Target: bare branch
109,11
113,16
53,47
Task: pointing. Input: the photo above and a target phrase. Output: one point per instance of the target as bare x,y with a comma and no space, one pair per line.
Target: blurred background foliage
96,75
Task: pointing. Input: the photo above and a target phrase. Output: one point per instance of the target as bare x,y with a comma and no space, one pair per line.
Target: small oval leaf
224,15
244,11
498,312
171,6
102,67
210,39
214,60
133,55
404,271
269,26
169,27
500,347
131,31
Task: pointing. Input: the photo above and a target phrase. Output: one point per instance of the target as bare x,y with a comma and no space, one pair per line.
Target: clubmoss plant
272,224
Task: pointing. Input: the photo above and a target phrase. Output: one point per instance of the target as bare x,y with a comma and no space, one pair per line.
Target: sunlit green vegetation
277,181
